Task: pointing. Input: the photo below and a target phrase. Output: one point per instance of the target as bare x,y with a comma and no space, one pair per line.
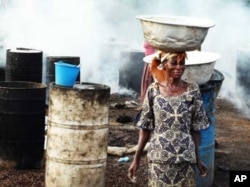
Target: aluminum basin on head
174,33
199,66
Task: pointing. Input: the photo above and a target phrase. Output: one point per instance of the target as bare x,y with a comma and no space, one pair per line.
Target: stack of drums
77,136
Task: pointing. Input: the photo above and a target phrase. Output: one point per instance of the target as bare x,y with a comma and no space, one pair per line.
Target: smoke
90,28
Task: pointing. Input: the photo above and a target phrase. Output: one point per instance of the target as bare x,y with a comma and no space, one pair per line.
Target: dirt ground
232,148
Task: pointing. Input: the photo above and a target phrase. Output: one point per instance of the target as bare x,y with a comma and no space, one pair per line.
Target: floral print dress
171,152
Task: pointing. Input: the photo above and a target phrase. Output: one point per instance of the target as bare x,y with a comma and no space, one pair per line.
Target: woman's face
175,69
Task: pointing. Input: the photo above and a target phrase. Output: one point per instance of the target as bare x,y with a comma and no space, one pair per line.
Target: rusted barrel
24,65
50,69
22,123
77,136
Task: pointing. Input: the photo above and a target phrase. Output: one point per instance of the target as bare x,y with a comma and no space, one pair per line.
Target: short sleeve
146,120
200,120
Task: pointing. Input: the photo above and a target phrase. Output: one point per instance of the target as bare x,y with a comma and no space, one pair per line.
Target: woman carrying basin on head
171,118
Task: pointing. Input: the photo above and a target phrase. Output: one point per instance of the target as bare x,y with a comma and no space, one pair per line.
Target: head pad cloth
157,64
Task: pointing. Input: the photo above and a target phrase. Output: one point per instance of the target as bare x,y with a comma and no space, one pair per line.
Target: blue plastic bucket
66,74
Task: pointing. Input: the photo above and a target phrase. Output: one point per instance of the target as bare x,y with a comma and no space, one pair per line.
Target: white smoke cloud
84,28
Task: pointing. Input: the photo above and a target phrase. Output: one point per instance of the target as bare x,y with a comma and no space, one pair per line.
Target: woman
171,117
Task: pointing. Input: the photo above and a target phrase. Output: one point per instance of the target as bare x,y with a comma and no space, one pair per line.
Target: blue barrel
209,92
207,141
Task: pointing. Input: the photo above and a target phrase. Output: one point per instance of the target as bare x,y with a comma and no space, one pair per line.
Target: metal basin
174,33
199,66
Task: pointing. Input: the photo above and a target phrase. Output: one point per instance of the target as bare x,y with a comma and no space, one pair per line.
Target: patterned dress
171,152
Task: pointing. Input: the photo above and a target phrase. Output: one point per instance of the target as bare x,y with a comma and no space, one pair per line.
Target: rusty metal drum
77,135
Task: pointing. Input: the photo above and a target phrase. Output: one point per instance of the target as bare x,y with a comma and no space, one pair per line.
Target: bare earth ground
232,153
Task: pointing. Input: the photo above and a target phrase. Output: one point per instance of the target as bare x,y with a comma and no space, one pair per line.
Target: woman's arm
202,168
146,125
143,139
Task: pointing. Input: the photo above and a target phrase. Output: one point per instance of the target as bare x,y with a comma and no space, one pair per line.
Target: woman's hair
157,69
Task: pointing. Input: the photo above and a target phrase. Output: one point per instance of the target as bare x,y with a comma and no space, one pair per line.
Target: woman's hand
143,138
132,170
200,165
202,168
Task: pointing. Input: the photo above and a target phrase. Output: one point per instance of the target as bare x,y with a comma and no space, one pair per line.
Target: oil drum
131,69
22,123
24,65
77,135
